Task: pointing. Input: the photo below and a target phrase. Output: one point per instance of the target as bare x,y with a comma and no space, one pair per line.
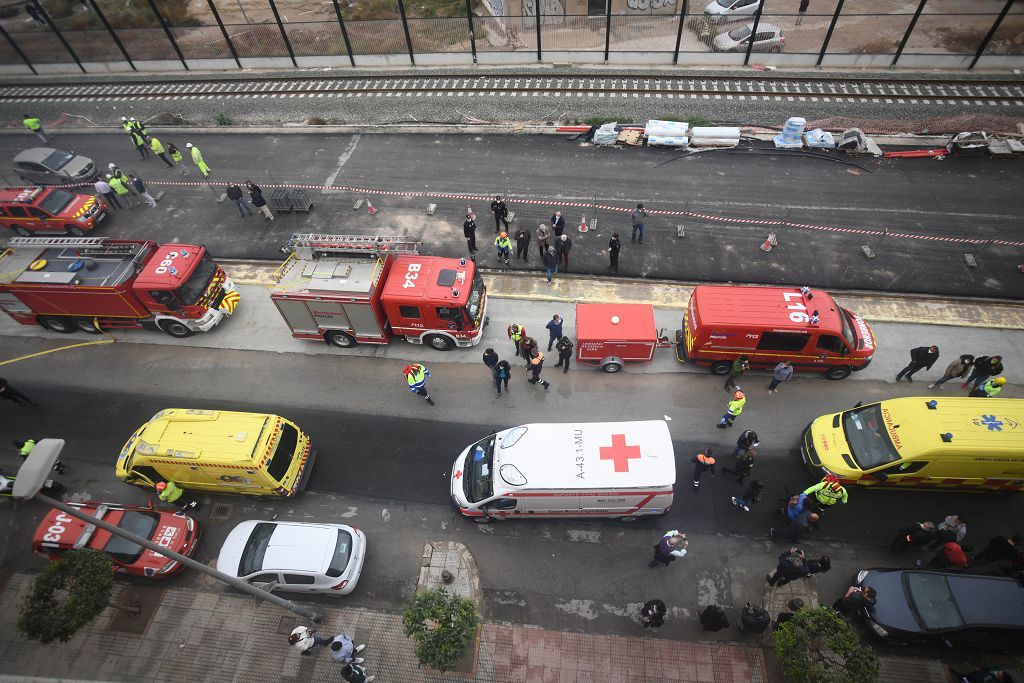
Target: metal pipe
536,5
910,29
679,32
167,31
472,33
110,30
607,27
60,36
344,32
284,34
224,32
828,34
991,34
405,26
17,49
753,34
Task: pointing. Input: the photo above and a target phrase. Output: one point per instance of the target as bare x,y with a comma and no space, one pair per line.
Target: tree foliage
69,594
443,626
820,646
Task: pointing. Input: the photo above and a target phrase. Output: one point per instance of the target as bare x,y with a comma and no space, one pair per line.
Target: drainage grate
221,511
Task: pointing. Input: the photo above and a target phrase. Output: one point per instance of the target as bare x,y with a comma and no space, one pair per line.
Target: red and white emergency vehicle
596,469
46,209
95,283
349,289
771,324
60,532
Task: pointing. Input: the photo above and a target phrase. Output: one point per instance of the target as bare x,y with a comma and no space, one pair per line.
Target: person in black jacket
614,246
754,620
984,367
564,347
523,244
653,613
557,224
921,357
490,358
469,230
563,245
500,212
234,193
792,566
713,618
256,195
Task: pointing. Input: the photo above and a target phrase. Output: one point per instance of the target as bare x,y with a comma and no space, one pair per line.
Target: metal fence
104,35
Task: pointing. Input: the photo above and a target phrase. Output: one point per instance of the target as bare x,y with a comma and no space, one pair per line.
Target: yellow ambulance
218,450
922,442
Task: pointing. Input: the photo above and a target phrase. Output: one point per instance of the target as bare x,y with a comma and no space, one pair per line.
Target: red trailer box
609,335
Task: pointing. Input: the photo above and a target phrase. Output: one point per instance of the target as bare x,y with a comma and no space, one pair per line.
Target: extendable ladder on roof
88,246
308,245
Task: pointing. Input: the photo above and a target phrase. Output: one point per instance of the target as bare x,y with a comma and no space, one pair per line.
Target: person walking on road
178,159
921,357
792,566
737,369
138,140
9,393
536,366
103,188
36,126
672,545
197,159
984,367
614,246
653,613
543,239
828,492
416,376
490,358
501,373
258,200
504,247
783,372
735,407
169,492
855,599
702,462
550,263
554,328
743,465
469,230
747,441
234,193
157,148
955,370
523,244
637,218
990,389
557,224
801,11
564,348
516,332
140,187
343,650
500,212
752,494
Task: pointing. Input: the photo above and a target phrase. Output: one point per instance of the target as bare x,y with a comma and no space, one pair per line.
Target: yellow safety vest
417,377
171,493
32,123
117,186
736,405
517,333
155,145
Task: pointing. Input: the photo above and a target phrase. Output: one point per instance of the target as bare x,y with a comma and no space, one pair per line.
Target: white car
769,38
295,556
721,11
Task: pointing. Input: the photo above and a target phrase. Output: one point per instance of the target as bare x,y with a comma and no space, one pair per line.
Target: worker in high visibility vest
516,332
197,157
416,375
504,245
169,492
828,492
36,126
989,389
158,149
178,159
28,445
739,399
119,188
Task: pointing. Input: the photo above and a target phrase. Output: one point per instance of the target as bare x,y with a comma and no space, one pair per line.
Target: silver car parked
46,165
721,11
768,39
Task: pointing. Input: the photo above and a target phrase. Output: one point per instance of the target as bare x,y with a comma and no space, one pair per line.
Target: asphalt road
961,197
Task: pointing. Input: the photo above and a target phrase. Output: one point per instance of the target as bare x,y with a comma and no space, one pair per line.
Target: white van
593,469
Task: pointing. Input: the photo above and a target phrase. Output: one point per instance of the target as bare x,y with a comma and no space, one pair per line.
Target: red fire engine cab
96,283
349,289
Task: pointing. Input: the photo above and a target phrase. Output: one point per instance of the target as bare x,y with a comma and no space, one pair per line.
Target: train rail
995,93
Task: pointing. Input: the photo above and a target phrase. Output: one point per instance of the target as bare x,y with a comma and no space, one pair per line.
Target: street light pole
36,468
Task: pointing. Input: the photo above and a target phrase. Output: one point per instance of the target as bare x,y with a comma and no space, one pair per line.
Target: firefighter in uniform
170,492
28,445
516,332
828,492
416,375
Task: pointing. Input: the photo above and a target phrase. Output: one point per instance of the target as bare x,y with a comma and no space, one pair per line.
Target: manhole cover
221,511
146,598
287,625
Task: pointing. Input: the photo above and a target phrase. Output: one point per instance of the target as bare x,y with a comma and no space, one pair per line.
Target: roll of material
714,142
667,140
658,128
720,132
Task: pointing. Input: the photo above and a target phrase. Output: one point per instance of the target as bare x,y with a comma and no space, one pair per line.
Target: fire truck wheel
839,372
175,329
57,324
74,230
722,367
88,325
439,342
24,232
340,339
612,366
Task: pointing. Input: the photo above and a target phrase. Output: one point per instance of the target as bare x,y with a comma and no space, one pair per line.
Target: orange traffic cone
371,208
770,242
583,224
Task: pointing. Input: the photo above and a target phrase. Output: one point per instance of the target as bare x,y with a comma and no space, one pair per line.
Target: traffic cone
583,224
770,242
371,208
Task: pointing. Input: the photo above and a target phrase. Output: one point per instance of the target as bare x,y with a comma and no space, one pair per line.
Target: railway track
993,93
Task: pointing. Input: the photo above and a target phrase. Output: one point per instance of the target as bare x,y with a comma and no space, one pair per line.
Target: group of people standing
982,372
526,347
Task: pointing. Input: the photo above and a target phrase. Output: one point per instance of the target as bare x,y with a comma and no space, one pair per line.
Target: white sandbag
667,140
819,139
606,134
791,136
666,128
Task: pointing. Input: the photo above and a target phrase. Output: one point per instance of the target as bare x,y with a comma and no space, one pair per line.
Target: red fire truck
349,289
96,283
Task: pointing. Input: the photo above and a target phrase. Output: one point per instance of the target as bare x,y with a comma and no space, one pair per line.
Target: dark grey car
46,165
945,608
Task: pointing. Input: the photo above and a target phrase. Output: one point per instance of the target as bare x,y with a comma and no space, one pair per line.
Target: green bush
443,626
820,646
69,594
222,119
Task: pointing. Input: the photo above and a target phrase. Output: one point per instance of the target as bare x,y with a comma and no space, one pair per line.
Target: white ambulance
593,469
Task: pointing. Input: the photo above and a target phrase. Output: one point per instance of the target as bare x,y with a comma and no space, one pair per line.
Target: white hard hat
110,165
124,118
132,118
188,144
108,175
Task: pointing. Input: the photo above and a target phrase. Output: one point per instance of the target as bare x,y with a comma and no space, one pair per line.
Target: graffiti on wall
648,5
552,11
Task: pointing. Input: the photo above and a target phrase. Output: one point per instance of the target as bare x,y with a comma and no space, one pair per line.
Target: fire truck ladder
87,246
308,244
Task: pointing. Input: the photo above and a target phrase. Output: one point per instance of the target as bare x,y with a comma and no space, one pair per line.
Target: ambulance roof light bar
309,245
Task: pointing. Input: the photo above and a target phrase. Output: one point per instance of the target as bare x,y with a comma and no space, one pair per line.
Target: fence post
284,34
472,35
607,27
753,32
167,32
110,30
17,49
60,36
537,7
828,34
991,34
405,26
223,31
679,32
344,32
910,29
